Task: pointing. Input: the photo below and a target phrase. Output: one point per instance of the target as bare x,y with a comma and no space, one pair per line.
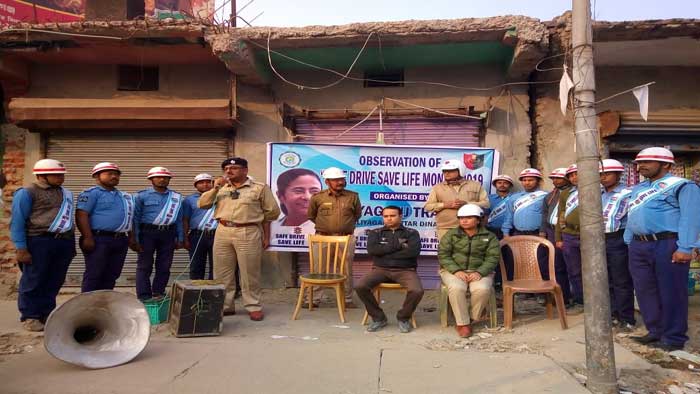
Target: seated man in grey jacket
394,249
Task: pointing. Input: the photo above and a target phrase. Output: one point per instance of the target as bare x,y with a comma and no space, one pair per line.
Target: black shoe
405,326
645,339
376,325
625,327
666,347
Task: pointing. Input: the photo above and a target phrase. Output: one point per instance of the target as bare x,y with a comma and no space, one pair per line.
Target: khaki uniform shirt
255,203
335,214
469,191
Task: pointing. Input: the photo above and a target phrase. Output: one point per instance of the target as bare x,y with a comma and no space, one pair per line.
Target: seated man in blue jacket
394,249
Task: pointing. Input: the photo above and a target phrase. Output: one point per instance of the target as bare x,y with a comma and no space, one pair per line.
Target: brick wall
13,167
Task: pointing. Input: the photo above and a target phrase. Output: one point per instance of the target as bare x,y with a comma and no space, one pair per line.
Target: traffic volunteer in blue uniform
104,216
497,212
567,234
200,226
42,230
662,230
498,203
524,215
549,221
615,199
158,230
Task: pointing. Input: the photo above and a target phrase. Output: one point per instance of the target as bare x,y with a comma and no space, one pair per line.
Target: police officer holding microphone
244,208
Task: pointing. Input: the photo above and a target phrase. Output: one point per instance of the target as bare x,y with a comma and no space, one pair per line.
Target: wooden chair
447,317
527,277
378,296
327,260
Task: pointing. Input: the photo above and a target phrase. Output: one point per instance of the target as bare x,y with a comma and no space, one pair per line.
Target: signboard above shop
41,11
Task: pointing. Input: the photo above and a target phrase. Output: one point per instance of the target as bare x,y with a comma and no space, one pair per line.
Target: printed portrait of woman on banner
294,190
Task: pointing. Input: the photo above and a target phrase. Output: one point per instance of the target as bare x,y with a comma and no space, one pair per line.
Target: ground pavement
318,354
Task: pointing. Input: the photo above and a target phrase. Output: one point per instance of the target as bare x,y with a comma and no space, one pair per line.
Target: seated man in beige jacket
455,191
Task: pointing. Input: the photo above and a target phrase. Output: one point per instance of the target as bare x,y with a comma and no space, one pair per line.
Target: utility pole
600,355
234,14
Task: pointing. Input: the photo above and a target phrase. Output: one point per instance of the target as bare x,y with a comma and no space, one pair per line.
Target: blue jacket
499,208
105,208
148,203
524,211
21,212
615,208
667,204
191,211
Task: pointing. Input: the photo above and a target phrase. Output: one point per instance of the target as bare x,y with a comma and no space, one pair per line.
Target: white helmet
203,177
571,169
502,178
558,173
333,173
655,154
48,167
454,164
159,171
105,166
610,165
530,172
469,210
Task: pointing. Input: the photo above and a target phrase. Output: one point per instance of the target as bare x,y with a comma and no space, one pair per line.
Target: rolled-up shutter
438,131
186,154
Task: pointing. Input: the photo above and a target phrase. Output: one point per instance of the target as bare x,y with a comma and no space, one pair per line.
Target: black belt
654,237
528,232
208,233
157,227
615,234
104,233
66,235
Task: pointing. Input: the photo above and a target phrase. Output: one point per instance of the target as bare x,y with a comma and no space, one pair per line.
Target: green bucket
157,309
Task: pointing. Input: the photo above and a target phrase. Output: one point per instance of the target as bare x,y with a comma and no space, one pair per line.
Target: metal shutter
398,131
185,153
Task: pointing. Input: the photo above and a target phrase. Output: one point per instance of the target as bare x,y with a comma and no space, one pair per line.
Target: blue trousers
560,273
661,288
43,277
572,257
104,264
620,280
162,244
201,255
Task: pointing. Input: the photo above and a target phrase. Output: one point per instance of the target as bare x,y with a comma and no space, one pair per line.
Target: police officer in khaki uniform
244,209
455,191
335,211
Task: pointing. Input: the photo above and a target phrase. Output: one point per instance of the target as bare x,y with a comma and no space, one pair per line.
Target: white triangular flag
642,95
564,86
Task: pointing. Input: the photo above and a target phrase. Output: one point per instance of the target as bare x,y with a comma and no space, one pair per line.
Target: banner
180,9
41,11
382,175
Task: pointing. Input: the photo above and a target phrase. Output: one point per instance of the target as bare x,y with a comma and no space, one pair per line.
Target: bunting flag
564,86
642,95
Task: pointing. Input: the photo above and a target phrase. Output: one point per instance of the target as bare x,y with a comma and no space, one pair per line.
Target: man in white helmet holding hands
662,230
335,211
104,216
615,200
158,231
455,191
42,230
